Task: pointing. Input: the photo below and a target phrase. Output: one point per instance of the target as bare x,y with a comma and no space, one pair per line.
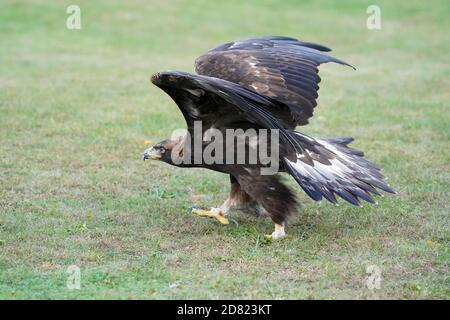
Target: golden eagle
266,83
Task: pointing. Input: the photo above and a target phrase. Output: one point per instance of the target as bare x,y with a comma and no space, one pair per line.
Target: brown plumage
266,83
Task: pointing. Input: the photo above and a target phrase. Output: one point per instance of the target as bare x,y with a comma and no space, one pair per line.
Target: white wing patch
348,174
321,171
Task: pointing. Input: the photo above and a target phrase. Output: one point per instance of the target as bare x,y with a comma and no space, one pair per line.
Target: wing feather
335,169
282,68
213,100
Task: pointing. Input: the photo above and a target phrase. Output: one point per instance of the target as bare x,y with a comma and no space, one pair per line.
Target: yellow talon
203,213
222,219
274,238
213,213
278,234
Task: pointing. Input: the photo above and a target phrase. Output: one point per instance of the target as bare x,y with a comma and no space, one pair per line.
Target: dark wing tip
170,77
314,46
154,78
292,41
339,61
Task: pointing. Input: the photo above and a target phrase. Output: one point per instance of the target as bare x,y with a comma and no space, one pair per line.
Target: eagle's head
167,150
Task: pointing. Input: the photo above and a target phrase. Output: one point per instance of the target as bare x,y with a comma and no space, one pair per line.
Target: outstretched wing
282,68
328,167
219,103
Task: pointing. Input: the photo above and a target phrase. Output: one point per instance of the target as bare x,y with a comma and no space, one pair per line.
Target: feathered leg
276,198
238,199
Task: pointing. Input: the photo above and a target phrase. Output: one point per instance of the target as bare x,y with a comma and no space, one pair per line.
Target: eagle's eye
160,149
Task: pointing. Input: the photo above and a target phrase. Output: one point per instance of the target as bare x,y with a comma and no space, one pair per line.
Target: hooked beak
151,154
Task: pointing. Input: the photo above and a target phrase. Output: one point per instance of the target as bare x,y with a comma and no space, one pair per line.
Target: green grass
76,106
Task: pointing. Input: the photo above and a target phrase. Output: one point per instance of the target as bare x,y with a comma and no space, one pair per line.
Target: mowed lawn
77,109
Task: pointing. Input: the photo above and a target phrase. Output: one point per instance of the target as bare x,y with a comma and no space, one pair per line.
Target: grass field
76,107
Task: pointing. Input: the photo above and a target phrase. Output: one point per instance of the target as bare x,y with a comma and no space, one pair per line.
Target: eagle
264,83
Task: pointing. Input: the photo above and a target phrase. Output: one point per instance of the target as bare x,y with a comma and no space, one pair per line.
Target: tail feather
326,167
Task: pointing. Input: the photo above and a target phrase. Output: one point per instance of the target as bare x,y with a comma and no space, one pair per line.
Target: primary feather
278,67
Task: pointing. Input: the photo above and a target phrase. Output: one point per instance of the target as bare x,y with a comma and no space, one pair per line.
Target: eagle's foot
278,234
212,213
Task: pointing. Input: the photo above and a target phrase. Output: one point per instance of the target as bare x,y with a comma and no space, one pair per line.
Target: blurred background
77,110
